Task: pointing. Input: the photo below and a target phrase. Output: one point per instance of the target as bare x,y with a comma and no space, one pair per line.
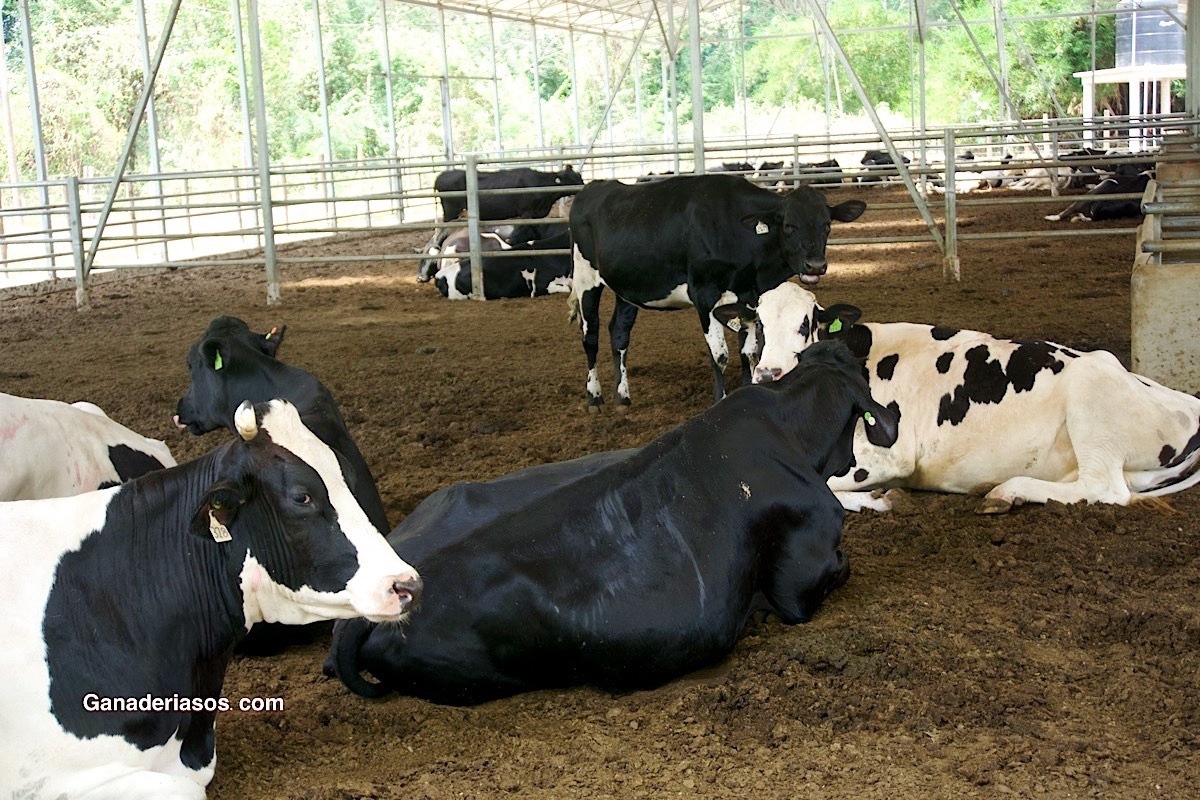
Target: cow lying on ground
625,570
1093,207
545,190
689,241
229,364
530,274
51,449
1023,421
452,248
122,606
879,166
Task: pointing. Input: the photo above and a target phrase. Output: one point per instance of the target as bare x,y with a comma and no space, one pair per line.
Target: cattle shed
1052,651
69,225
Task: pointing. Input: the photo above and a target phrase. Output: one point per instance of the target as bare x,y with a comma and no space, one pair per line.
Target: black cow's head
226,367
801,224
310,553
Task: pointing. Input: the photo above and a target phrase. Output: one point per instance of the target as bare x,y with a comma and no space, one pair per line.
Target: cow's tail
348,638
1184,476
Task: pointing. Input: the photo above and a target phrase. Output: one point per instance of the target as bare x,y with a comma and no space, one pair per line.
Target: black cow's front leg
589,324
619,327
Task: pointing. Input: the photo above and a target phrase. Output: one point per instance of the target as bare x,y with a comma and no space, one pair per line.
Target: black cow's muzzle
811,270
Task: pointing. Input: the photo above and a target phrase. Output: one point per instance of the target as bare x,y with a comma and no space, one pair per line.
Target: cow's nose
815,266
767,374
408,592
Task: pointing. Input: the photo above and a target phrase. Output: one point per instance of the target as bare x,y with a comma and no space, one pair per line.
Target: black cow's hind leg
624,315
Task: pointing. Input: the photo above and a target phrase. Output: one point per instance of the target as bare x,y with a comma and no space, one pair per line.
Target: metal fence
56,229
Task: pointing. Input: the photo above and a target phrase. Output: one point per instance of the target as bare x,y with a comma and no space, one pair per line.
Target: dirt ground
1053,652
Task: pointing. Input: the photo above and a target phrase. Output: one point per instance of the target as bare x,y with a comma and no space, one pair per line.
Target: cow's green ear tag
869,418
834,327
217,362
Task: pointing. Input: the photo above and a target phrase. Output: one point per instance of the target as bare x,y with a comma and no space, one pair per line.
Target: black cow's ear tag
217,362
869,418
834,327
734,324
215,527
762,228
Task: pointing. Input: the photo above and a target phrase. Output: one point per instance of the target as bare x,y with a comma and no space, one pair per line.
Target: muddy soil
1053,652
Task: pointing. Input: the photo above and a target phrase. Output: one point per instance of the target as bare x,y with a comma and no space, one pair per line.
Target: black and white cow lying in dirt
491,239
122,606
1095,206
1023,421
52,449
523,272
628,569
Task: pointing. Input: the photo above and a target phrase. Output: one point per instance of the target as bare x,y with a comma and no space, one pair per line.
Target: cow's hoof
594,406
622,407
901,503
994,505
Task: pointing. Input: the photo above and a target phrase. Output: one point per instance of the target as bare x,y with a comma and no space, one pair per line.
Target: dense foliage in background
89,65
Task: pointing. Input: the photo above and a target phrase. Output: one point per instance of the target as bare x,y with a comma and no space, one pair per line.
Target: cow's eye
302,498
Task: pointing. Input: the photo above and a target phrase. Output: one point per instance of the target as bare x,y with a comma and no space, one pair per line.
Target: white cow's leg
1097,483
858,501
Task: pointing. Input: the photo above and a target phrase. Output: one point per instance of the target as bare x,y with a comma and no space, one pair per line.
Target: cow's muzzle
767,374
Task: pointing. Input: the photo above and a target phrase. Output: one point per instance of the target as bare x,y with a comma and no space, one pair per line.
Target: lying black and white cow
230,363
530,274
121,607
689,241
452,248
879,166
624,570
1093,207
1023,421
52,449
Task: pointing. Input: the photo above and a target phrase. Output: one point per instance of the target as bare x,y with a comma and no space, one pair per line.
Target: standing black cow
627,569
548,188
689,241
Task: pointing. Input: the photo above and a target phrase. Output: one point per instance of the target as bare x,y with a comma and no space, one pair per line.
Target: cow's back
53,449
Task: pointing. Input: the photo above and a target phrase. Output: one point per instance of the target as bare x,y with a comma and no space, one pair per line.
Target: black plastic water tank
1147,34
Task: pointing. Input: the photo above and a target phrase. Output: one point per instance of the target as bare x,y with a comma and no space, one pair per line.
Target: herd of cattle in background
132,578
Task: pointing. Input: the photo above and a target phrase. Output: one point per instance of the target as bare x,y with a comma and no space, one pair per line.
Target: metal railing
174,220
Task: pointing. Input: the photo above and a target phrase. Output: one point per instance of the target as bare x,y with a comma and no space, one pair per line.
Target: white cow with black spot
1022,421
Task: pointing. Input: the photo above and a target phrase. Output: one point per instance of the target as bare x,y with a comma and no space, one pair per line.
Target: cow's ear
271,340
735,316
759,223
881,423
838,316
217,510
848,211
211,351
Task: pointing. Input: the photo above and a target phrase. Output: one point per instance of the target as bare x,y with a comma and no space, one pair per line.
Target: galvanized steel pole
697,85
264,154
477,290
